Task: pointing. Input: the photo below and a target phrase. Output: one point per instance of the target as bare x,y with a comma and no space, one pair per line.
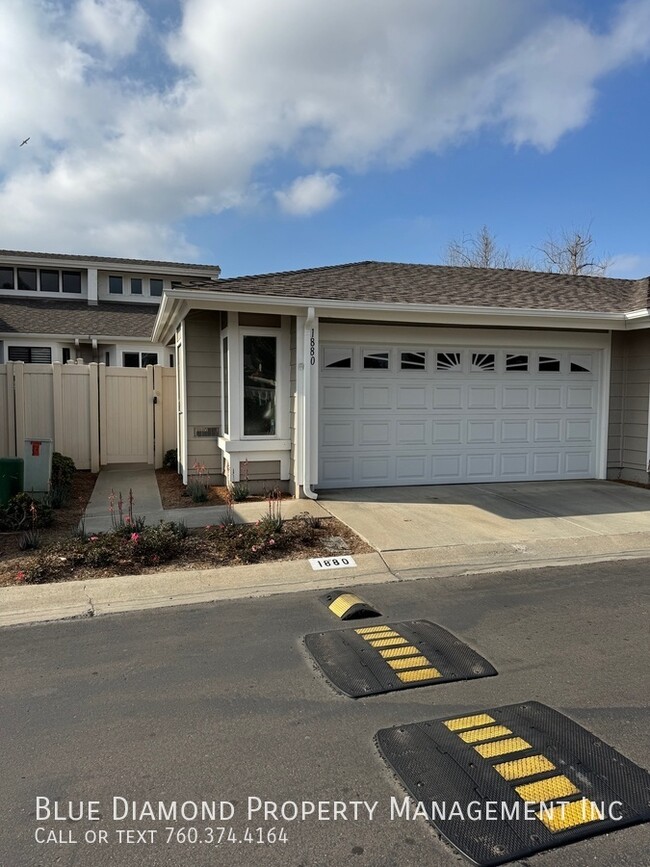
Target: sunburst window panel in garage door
474,414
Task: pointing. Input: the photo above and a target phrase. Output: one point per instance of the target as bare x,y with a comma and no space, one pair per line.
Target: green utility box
12,473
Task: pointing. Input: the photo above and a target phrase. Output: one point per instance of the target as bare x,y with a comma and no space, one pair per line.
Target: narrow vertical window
136,285
115,285
260,358
155,287
226,408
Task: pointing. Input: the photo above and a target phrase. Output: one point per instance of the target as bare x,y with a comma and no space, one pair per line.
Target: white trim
604,409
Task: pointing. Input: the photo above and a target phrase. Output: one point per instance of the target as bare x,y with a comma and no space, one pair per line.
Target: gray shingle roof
393,283
109,260
108,318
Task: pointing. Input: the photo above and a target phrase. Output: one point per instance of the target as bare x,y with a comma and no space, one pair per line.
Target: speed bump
347,606
504,783
374,659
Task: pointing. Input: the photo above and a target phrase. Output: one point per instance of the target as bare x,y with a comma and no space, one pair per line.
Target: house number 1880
312,348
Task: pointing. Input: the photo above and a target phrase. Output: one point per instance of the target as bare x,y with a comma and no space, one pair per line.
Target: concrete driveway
422,528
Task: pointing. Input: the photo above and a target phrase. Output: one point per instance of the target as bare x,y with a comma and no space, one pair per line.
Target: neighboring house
375,374
56,307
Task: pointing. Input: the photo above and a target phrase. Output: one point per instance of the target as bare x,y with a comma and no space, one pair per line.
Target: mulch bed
65,520
174,496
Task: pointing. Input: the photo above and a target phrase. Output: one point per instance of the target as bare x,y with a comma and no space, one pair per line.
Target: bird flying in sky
25,142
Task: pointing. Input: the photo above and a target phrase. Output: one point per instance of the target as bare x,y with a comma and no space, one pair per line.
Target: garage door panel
481,467
482,397
548,397
547,430
412,397
412,432
447,397
483,431
337,397
411,469
447,431
516,397
375,396
579,429
514,465
373,433
515,430
337,433
461,424
581,397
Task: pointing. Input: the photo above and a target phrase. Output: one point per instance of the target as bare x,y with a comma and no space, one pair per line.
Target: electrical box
38,466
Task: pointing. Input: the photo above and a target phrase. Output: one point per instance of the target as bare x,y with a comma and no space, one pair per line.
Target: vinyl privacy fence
96,415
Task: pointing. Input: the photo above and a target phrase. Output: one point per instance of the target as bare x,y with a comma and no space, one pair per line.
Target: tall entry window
260,383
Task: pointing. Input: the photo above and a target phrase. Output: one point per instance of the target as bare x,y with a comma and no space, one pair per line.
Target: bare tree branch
571,252
482,251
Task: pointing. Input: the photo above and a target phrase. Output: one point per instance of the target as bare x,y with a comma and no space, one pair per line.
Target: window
580,363
155,287
517,362
65,355
27,279
139,359
548,364
49,281
136,285
448,361
337,356
171,359
71,281
374,360
260,383
30,354
115,285
107,359
482,361
7,278
413,360
131,359
226,408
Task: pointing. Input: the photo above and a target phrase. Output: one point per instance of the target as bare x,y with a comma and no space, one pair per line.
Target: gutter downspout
306,414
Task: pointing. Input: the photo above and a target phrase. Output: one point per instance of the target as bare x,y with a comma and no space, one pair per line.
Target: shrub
272,522
178,528
30,540
63,470
197,491
24,512
170,461
239,491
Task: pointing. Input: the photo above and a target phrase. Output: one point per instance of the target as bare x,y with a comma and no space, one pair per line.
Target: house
375,374
56,307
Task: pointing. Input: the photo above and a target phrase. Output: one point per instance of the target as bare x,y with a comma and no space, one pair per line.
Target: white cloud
115,163
309,194
114,25
629,265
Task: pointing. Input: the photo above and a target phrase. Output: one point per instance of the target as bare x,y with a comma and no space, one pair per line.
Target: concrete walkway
146,502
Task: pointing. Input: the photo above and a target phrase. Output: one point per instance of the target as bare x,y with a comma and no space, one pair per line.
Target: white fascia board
637,320
443,314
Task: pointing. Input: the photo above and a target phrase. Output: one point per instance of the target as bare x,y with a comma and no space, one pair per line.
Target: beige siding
203,363
629,406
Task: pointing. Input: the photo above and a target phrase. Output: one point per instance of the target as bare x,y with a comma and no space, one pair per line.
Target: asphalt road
221,702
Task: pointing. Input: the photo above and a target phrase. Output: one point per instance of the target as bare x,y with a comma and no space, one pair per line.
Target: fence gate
126,415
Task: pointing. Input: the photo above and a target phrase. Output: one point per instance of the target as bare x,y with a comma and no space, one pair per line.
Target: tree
482,251
571,252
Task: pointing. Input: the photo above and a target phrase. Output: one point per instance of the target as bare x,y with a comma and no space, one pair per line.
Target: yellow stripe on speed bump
408,662
502,748
394,652
547,790
520,768
489,733
387,642
563,817
469,722
418,674
375,636
343,603
368,630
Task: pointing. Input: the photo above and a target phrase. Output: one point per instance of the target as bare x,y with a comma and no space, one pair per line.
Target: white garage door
402,416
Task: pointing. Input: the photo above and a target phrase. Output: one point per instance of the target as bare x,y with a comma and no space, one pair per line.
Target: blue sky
267,137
